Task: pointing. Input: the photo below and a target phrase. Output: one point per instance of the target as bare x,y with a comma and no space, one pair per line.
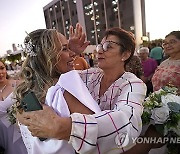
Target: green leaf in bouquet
157,97
174,107
166,88
170,89
174,118
160,128
154,100
145,118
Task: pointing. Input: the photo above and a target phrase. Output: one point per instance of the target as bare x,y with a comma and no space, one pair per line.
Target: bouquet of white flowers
12,111
162,108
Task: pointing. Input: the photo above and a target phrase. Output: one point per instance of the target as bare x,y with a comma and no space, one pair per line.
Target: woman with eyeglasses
119,95
169,70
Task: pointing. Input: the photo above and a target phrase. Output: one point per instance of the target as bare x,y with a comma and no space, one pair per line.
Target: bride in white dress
10,136
43,79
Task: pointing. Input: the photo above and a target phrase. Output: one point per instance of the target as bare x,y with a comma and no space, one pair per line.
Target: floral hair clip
29,46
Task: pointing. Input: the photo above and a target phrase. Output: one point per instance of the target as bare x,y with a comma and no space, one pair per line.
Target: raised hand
77,39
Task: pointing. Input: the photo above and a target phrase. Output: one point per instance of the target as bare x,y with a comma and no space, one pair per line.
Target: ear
125,55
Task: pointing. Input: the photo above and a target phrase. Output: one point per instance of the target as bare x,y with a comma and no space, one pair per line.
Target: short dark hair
126,39
174,33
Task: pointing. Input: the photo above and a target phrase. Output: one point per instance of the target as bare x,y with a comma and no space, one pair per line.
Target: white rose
170,98
160,115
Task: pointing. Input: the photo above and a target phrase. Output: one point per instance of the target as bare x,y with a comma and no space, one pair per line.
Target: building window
95,3
53,23
67,21
97,22
102,6
115,9
64,11
102,13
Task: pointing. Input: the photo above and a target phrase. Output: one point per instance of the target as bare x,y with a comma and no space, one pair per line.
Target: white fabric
4,105
71,82
10,136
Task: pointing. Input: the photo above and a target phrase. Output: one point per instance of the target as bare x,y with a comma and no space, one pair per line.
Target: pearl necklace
3,88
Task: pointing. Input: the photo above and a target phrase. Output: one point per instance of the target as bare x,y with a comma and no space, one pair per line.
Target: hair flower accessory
29,47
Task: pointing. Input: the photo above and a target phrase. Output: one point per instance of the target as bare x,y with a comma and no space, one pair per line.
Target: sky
18,16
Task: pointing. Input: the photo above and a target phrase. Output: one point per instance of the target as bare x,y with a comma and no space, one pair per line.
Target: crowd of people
89,109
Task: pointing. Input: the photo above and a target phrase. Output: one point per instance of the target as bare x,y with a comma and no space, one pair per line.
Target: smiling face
171,46
3,72
52,58
109,53
65,58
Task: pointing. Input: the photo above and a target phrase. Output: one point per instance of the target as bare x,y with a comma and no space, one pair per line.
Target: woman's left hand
46,123
77,39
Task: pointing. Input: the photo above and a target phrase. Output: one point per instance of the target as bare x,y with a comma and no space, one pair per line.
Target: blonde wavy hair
38,72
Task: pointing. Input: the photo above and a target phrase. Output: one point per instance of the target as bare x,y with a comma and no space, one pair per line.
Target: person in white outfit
10,136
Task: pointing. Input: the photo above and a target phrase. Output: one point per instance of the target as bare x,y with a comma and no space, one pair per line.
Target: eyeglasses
105,46
171,42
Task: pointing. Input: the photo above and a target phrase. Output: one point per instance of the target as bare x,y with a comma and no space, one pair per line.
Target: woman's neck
108,79
145,59
175,56
111,76
2,84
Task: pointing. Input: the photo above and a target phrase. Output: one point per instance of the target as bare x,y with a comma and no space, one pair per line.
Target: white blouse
112,130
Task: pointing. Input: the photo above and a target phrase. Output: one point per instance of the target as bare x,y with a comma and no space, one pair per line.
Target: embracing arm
46,123
75,106
59,127
106,127
85,131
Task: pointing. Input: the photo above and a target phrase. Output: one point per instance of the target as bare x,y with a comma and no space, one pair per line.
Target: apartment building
96,16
